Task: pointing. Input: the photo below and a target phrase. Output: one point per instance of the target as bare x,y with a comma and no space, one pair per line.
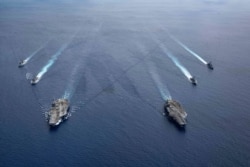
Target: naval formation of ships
59,110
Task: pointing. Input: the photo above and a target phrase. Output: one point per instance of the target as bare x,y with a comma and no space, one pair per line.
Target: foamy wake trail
187,49
176,62
165,94
54,58
51,61
35,52
70,90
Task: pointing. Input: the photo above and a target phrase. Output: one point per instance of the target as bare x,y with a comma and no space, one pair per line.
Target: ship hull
21,64
34,81
59,112
175,112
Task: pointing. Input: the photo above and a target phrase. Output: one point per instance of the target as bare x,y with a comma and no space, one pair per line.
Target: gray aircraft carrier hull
175,111
58,112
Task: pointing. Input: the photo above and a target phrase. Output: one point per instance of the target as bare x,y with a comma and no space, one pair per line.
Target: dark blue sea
117,62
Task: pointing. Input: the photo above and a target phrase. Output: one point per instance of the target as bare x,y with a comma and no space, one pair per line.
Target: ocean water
111,60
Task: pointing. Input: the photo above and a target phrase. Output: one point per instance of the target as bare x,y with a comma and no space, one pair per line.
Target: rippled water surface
117,62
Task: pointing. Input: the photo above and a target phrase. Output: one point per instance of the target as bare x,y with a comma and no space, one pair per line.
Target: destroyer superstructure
35,80
210,65
22,63
193,81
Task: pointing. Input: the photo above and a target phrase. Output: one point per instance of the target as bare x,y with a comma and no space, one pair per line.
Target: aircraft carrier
175,111
58,112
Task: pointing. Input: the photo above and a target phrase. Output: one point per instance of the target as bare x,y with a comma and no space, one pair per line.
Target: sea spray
51,61
165,94
187,49
70,90
29,76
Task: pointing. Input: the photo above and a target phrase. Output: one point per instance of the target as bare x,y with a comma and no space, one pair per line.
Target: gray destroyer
22,63
175,111
58,112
